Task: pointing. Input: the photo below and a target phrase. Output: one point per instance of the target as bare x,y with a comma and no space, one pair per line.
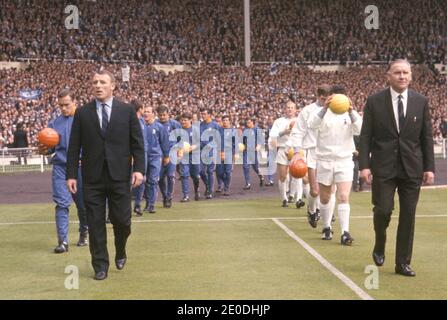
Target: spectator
20,141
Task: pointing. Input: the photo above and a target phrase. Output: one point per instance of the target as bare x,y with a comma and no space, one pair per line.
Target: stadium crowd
205,31
257,92
177,31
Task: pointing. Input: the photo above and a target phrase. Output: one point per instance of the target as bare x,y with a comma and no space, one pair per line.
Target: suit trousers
383,191
118,195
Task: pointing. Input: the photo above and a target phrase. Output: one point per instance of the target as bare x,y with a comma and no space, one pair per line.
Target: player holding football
305,138
61,196
335,144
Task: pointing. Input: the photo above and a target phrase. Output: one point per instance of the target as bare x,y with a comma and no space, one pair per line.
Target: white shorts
329,172
311,158
281,157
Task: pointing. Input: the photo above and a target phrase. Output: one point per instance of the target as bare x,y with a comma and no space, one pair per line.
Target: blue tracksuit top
157,140
170,125
228,140
205,127
62,125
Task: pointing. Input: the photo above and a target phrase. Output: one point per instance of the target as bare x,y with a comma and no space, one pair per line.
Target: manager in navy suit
109,134
396,149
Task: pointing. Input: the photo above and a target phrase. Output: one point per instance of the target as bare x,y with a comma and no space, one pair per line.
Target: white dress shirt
395,100
108,109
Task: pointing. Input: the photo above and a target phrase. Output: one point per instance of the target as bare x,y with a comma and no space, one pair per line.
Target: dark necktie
105,119
400,110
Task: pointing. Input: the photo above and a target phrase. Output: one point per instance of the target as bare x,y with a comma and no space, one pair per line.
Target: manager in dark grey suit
109,134
396,148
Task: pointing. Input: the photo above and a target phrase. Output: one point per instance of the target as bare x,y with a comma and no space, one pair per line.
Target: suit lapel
389,108
94,115
411,110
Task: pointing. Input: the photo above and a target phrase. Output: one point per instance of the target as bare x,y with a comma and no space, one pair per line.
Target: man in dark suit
109,134
20,141
396,148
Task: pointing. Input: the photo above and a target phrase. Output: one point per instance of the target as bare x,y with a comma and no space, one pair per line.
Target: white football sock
325,214
293,187
306,190
299,189
282,189
344,210
312,204
332,204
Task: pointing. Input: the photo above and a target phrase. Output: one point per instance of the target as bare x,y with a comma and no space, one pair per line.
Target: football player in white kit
279,135
305,138
334,148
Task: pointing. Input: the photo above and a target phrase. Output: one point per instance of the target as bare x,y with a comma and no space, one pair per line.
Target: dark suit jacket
20,139
380,142
122,141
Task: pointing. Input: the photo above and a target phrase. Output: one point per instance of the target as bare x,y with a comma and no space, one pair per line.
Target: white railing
22,160
440,148
28,159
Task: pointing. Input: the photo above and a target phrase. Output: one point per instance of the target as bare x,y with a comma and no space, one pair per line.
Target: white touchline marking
348,282
212,220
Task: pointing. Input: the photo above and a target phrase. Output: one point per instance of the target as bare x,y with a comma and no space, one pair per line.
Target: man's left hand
429,178
137,179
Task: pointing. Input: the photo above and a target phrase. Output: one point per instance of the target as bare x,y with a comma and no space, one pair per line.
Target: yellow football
339,103
186,146
290,154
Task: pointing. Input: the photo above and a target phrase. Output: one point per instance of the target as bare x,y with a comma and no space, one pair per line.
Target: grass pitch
223,249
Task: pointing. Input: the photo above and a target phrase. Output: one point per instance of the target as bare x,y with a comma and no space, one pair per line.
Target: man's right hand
72,185
328,101
366,175
42,149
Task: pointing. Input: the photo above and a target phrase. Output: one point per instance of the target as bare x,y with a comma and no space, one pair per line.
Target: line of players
325,140
162,154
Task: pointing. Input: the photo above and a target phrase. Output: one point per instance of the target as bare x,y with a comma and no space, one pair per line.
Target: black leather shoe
327,233
168,203
120,263
346,239
152,209
197,196
312,219
61,248
300,203
379,258
285,204
83,239
138,211
101,275
405,270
